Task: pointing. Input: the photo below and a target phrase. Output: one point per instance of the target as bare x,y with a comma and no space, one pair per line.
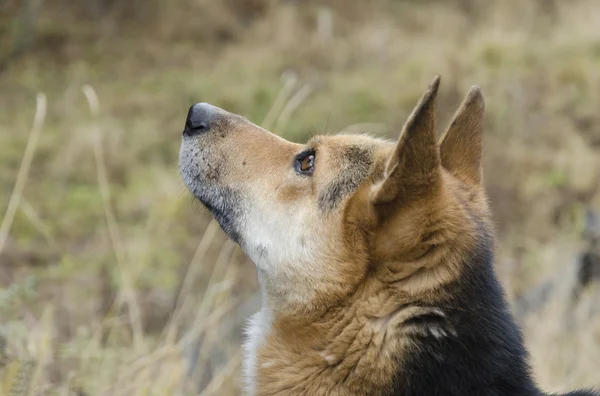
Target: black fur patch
357,163
484,355
223,203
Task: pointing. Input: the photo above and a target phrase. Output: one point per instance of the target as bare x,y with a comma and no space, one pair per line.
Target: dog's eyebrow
313,142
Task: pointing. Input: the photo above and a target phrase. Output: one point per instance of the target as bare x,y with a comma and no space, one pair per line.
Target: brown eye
305,163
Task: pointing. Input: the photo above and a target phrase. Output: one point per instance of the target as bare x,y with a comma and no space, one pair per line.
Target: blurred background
114,281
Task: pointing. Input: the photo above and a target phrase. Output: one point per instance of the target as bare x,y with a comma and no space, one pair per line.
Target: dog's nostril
201,127
198,119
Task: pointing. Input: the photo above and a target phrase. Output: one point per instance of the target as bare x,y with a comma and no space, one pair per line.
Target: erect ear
414,166
461,146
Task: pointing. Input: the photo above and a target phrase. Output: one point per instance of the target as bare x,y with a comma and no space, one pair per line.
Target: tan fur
461,146
342,274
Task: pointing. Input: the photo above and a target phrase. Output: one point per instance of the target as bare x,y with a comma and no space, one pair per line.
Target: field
114,281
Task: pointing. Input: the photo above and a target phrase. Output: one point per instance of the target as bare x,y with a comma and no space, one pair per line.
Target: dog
374,258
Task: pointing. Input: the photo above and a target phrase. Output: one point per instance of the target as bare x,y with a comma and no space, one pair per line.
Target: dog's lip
224,215
216,212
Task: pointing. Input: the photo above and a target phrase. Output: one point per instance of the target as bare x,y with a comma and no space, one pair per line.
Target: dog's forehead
351,152
343,163
344,140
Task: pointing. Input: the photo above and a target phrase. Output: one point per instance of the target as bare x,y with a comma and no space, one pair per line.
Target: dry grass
113,281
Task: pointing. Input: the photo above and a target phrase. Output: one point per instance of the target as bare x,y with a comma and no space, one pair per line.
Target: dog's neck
351,346
409,277
357,343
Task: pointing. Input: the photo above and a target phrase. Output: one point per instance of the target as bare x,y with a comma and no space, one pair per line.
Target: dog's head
320,218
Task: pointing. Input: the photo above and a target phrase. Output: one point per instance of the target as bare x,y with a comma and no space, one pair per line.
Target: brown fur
387,226
417,222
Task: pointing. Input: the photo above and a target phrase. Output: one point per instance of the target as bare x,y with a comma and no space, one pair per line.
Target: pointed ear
461,146
414,166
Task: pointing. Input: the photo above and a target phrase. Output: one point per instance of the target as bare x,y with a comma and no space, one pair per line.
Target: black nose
198,119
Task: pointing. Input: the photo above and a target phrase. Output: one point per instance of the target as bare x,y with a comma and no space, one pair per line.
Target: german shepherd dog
375,259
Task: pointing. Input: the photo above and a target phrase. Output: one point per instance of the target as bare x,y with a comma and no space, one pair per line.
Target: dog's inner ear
413,169
461,146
